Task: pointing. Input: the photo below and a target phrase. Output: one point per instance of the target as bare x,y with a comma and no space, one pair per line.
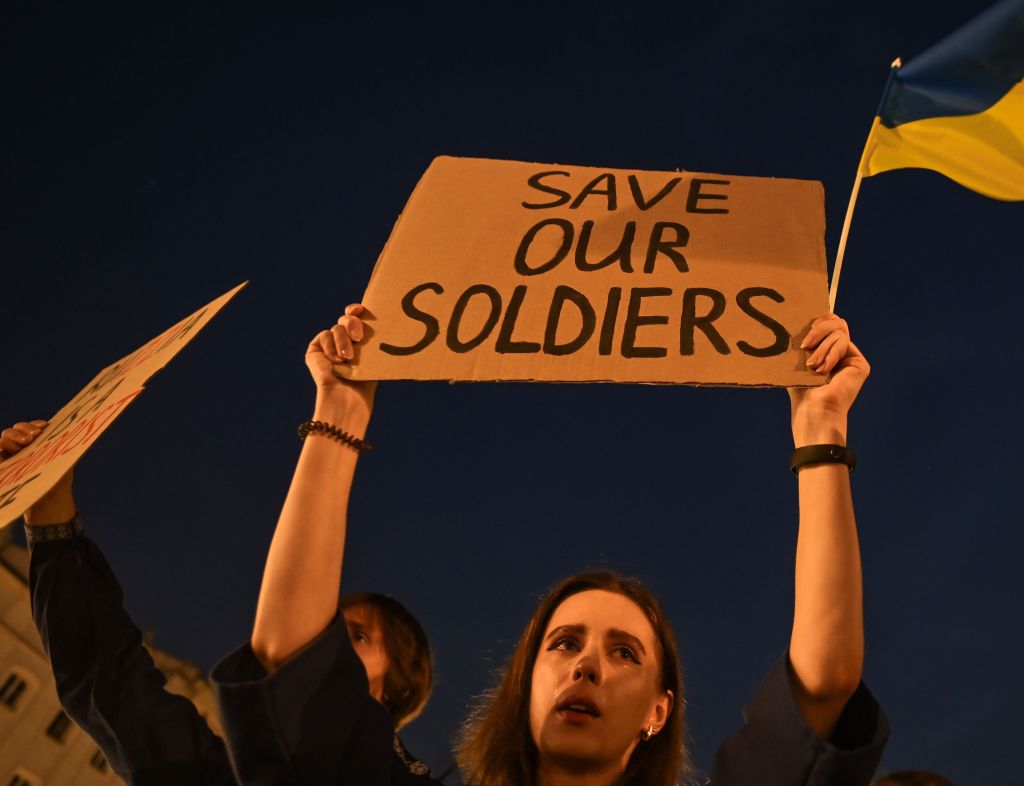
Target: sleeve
107,681
775,747
311,722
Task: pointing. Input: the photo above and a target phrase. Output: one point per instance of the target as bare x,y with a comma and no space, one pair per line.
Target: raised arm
827,645
106,680
302,578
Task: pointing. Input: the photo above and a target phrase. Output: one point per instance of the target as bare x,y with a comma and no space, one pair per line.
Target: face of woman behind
368,641
596,685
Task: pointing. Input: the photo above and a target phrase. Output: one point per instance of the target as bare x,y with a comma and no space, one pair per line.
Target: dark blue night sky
153,158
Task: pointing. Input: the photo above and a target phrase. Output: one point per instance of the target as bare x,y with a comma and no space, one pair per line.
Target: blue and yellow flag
959,108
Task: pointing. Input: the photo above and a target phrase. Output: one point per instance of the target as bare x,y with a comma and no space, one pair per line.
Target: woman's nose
587,667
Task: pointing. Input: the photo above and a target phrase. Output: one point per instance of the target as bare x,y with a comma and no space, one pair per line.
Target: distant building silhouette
39,744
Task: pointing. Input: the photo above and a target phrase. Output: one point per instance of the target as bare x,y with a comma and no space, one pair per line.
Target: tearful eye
568,644
627,654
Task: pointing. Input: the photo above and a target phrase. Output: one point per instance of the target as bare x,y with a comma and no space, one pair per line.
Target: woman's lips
578,710
575,717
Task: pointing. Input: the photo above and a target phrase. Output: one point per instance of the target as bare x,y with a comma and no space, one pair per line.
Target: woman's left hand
819,414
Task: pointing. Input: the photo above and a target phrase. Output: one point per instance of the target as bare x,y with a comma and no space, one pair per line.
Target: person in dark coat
109,685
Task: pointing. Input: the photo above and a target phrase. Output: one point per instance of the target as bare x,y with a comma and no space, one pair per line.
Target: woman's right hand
57,506
340,399
19,436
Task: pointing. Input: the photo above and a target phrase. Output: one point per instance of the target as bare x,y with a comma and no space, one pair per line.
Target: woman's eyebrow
561,630
622,635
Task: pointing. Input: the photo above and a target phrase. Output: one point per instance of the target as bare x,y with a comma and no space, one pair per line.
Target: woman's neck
553,775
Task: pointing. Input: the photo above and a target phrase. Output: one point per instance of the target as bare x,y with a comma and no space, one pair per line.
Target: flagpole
837,269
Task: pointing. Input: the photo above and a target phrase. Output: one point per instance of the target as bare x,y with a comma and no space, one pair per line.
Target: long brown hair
496,748
409,675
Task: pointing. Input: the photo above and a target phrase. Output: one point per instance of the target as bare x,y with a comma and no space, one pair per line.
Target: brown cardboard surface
34,470
470,287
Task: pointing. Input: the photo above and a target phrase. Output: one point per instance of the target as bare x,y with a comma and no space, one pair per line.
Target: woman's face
368,642
596,684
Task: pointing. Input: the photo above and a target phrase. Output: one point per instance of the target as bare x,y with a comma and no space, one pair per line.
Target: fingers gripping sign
18,436
335,347
57,505
819,414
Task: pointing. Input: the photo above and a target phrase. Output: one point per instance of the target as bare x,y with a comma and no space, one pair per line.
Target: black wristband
822,454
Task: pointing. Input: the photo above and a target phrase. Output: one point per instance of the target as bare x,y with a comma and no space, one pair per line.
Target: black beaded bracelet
320,427
822,454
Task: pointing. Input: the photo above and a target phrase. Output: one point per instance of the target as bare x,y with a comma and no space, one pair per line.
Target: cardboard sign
31,472
503,270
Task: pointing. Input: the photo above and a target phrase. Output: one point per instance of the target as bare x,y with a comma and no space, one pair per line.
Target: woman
592,696
108,683
812,721
599,652
295,702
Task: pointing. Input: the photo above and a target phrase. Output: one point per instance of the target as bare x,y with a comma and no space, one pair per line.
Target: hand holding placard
342,402
819,415
57,506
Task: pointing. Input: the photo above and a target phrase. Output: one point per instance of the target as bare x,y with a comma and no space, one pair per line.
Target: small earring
649,732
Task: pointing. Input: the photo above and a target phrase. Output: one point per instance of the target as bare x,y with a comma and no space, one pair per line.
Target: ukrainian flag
959,108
